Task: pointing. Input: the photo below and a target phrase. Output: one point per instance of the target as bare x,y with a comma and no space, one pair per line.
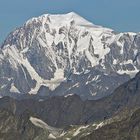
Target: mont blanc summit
37,58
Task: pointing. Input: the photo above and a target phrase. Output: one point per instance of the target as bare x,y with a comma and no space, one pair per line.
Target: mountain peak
72,13
64,19
41,54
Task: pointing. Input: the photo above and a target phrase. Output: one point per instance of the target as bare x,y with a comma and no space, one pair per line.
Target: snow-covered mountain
37,57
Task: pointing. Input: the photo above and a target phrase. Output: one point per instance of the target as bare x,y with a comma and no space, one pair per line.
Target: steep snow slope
37,58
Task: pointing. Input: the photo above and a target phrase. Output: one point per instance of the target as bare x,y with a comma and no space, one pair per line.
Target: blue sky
120,15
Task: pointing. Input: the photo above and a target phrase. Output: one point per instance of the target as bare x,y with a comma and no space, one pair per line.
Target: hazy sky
120,15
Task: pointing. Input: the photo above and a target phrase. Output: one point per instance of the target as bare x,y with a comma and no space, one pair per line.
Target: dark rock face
63,111
19,128
56,111
35,52
85,85
71,110
128,129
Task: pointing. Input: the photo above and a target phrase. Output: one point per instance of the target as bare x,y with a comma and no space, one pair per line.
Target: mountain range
37,58
65,78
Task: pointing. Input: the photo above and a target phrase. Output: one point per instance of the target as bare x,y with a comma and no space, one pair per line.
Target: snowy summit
48,51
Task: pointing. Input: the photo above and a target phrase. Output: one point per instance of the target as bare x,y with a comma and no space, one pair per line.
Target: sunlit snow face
48,46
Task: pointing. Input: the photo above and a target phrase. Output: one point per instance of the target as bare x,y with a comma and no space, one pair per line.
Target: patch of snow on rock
14,89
